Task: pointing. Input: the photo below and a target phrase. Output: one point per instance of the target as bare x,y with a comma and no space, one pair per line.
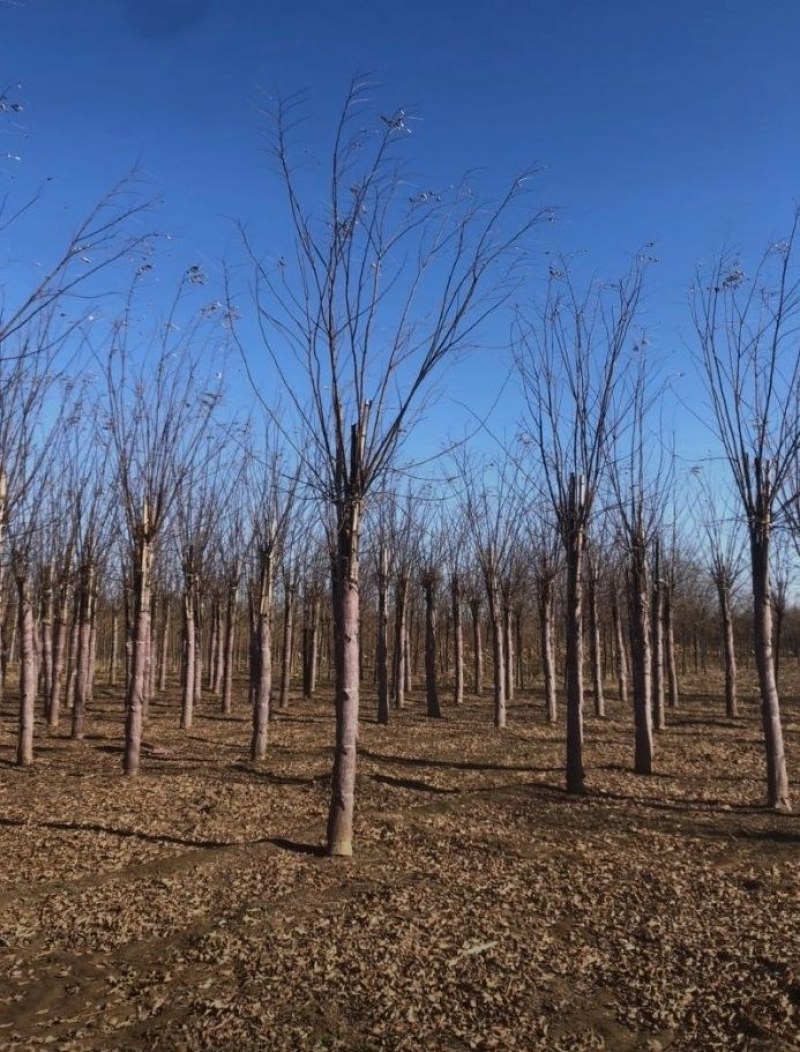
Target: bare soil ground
192,908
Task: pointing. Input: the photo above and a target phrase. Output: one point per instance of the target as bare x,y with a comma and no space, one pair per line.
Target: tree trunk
382,649
261,671
310,644
346,642
657,638
189,644
137,686
458,641
546,598
83,662
777,778
113,670
620,653
60,630
595,649
227,672
288,642
575,777
669,645
477,645
641,658
429,583
46,635
400,641
729,649
28,672
508,649
166,611
498,660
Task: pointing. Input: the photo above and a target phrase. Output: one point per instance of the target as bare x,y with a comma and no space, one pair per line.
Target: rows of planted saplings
263,618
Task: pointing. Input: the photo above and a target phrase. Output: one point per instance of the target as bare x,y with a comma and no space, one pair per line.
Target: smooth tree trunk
166,626
346,600
227,656
60,635
641,658
429,585
27,671
189,649
140,646
83,661
477,646
458,641
778,795
498,649
595,648
728,646
382,647
47,610
574,535
620,652
508,649
400,641
657,642
288,642
113,671
310,643
673,689
261,668
546,598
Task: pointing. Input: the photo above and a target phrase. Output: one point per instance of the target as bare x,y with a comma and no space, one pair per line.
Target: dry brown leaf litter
484,909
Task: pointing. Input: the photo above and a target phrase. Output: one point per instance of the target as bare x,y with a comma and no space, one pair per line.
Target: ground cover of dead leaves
190,908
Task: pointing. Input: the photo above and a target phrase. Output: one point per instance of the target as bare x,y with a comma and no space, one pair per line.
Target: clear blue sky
676,122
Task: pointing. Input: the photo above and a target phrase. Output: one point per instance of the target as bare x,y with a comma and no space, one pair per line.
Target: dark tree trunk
261,667
400,640
546,597
641,658
429,584
458,641
477,646
382,649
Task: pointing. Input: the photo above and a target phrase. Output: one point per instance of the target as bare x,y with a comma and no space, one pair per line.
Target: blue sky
675,123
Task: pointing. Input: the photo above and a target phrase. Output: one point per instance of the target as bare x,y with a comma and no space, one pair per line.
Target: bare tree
160,404
382,287
747,336
569,359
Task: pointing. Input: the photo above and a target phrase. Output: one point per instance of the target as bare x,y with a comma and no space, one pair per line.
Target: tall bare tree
384,284
746,329
569,358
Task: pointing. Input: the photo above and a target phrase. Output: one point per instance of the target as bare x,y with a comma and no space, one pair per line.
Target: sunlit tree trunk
227,663
83,662
382,648
498,661
27,672
620,653
46,638
574,535
477,645
189,650
595,650
641,657
137,686
673,690
60,633
288,640
657,641
310,643
546,596
261,671
166,626
430,583
400,640
458,641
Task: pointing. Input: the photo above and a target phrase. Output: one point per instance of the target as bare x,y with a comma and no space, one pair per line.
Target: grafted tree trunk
641,657
137,686
400,640
27,671
346,641
288,640
382,648
595,649
477,645
261,668
458,640
83,662
430,581
546,595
